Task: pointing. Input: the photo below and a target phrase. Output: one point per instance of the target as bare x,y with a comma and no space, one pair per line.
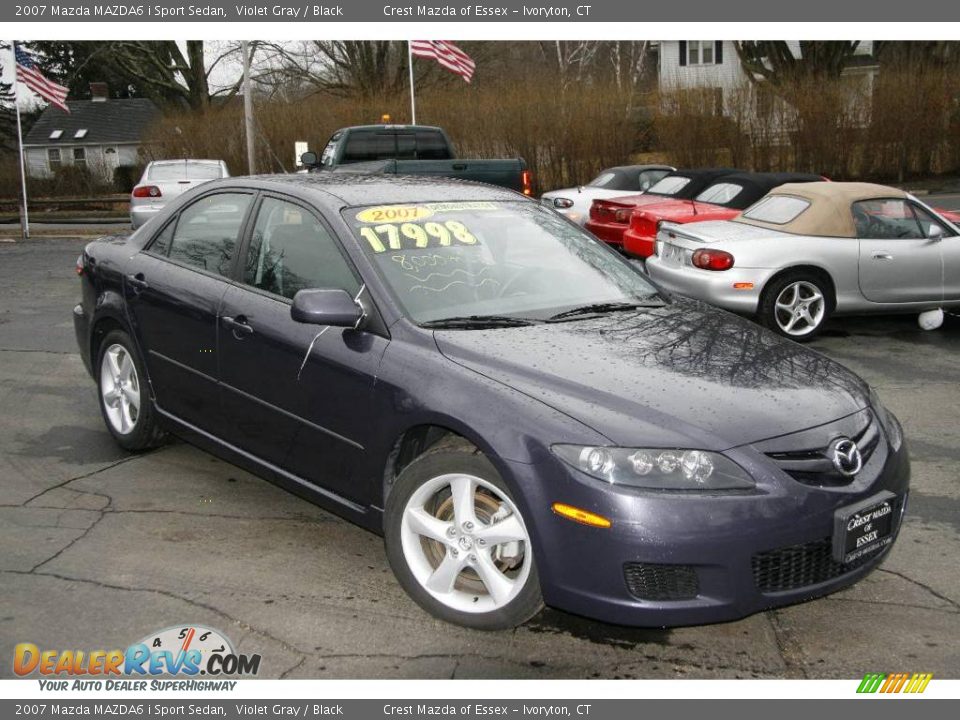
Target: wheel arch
416,440
812,268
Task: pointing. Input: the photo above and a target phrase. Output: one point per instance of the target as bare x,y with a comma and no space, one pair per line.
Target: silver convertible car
806,251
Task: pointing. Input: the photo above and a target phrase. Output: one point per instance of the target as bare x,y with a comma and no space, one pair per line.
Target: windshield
446,260
185,171
670,185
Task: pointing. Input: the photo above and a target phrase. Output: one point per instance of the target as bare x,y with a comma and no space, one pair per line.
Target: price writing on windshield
408,235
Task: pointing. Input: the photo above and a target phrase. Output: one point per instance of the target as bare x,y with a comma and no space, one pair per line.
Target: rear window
777,209
432,146
185,171
670,185
602,180
720,193
366,146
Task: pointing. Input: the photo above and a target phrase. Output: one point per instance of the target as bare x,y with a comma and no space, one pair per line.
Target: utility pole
248,109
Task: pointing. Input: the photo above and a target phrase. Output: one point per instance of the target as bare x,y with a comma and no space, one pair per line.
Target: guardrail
14,203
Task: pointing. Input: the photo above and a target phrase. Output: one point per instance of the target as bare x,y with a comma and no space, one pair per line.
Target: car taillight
146,191
80,265
527,180
712,259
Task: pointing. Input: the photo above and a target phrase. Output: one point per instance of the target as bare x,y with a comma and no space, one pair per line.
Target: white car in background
164,180
807,251
613,182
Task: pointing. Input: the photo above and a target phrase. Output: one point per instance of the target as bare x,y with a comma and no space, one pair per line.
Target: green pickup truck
412,150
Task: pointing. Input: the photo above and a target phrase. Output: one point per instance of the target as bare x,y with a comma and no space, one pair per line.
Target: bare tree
774,61
169,74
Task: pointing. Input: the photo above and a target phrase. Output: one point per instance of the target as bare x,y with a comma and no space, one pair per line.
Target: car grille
646,581
799,566
814,467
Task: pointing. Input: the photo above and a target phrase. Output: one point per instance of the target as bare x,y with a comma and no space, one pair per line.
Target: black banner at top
489,11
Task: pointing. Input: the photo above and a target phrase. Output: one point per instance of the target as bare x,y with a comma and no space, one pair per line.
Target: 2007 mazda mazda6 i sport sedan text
515,407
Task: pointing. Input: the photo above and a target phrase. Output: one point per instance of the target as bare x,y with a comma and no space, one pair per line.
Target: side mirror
309,159
935,232
326,306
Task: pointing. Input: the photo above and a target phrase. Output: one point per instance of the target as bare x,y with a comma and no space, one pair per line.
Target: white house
98,134
706,64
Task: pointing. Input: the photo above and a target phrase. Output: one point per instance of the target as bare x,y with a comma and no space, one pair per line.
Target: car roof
363,189
757,184
829,213
178,161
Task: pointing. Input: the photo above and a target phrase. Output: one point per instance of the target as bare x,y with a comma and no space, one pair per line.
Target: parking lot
99,547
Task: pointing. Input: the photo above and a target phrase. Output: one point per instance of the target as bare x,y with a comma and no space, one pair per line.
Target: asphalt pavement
99,547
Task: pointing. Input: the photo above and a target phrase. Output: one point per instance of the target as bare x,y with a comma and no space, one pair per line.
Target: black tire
778,319
447,458
145,432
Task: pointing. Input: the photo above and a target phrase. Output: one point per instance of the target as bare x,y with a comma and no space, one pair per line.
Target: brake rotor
486,507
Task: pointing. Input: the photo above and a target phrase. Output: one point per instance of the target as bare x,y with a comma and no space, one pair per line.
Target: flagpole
24,216
413,102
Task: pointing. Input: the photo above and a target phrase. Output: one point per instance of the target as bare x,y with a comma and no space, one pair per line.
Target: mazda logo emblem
845,456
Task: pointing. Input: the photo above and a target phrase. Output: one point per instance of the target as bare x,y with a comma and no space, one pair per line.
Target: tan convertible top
829,213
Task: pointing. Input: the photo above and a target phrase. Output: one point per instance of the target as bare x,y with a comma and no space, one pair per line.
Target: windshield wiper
477,322
601,308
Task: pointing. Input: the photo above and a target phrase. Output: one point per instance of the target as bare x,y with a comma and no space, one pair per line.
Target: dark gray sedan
520,412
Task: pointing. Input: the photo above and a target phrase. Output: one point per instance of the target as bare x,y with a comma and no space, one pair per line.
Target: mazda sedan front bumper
672,559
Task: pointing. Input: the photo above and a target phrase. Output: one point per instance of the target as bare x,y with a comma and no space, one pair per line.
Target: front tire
457,541
124,397
796,305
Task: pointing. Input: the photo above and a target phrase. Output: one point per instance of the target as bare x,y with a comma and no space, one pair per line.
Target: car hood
683,375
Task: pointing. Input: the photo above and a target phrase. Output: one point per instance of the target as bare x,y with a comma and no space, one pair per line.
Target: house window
55,135
80,157
701,52
82,132
53,159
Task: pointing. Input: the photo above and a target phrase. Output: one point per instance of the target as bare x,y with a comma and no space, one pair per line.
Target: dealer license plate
865,528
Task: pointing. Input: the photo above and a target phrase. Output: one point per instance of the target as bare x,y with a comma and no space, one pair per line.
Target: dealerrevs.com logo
181,650
887,683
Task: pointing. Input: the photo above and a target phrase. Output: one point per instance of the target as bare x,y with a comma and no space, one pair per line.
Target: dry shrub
564,137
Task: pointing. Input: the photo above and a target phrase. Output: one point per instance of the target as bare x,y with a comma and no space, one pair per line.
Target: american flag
29,75
447,54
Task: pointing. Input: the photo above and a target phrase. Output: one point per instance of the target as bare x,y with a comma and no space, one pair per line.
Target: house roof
111,121
829,211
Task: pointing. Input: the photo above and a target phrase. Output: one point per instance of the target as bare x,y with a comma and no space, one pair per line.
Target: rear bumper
716,288
139,214
723,542
635,245
610,233
81,328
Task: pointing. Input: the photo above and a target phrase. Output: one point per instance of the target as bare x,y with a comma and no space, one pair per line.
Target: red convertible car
722,200
609,217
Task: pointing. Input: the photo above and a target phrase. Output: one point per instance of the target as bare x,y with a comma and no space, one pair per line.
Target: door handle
138,282
882,256
459,166
238,325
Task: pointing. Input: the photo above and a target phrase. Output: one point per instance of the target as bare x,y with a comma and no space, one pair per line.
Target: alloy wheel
800,308
120,389
466,543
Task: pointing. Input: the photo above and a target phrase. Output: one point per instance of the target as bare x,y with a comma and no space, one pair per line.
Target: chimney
99,91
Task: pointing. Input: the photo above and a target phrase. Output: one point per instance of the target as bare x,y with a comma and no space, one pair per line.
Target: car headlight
656,468
562,203
888,420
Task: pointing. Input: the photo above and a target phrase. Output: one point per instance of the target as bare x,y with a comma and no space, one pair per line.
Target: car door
898,262
298,396
949,251
173,291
